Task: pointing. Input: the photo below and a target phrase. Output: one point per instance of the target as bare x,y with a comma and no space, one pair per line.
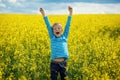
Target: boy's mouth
57,32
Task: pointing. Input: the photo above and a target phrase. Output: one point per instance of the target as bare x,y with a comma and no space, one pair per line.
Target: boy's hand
42,12
70,10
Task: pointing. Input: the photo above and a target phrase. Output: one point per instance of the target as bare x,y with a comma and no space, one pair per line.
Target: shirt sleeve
67,27
48,26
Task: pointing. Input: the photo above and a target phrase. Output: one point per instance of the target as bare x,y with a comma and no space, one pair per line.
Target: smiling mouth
57,32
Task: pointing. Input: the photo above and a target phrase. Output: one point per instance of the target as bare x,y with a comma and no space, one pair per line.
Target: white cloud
101,8
11,1
88,8
5,11
84,8
18,4
2,5
53,8
34,11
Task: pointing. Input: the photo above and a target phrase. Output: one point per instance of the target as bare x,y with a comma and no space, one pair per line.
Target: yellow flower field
94,47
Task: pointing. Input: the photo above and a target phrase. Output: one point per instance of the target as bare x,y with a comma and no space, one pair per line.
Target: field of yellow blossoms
94,47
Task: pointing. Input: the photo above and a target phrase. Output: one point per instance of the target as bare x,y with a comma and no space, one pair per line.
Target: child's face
57,30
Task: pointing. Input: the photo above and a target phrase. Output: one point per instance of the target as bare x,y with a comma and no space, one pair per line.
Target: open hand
42,12
70,9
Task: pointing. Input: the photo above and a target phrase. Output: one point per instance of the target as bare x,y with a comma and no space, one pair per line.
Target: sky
60,6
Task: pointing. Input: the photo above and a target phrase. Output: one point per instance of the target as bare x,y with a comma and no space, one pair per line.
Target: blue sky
60,6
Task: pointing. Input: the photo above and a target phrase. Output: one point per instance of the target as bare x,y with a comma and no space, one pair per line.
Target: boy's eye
56,28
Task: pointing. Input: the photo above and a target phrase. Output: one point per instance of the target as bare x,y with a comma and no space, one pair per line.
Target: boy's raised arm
46,22
67,27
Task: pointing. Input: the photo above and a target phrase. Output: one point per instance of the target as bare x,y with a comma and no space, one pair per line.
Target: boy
59,49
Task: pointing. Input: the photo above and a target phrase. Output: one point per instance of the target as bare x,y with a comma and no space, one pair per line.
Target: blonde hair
56,24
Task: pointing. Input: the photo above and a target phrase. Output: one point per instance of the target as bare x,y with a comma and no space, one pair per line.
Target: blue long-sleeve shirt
59,47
